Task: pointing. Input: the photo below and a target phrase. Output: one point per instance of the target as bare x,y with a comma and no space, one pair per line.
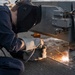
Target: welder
20,18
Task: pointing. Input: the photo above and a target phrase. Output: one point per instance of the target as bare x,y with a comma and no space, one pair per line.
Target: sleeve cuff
23,46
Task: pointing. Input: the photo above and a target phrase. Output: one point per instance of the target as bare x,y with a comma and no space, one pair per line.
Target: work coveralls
8,40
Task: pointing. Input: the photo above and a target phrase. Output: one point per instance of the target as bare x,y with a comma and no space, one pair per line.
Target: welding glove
35,49
33,43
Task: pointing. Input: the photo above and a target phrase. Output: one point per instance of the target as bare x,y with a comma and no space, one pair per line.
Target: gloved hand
33,43
35,55
35,49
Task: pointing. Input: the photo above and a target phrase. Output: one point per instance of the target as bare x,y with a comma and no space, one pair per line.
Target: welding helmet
27,16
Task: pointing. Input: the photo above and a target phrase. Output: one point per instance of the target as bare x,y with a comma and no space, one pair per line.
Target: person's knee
20,65
14,66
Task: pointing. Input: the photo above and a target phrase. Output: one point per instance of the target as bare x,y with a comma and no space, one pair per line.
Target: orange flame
65,59
62,58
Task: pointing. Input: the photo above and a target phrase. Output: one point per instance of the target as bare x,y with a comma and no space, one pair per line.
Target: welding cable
30,56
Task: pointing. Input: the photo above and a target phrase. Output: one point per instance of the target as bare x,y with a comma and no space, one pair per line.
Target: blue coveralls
12,44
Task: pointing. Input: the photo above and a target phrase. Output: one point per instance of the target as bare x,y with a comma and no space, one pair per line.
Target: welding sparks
62,58
57,50
65,59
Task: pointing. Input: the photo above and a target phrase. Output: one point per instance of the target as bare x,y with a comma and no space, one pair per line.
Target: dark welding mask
27,16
